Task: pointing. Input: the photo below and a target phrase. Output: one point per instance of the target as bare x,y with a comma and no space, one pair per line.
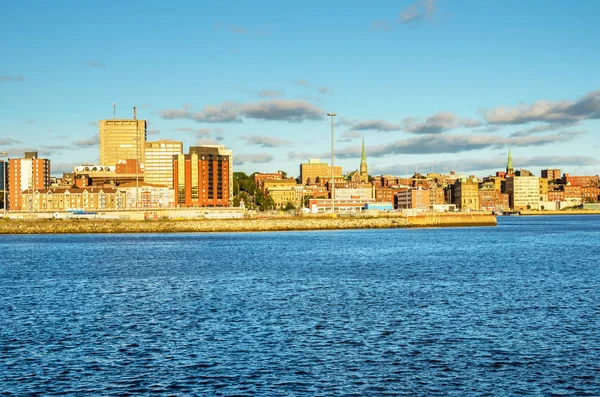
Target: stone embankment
241,225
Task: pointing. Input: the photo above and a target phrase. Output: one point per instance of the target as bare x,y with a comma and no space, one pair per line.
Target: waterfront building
523,191
385,195
149,196
315,168
340,206
259,178
69,199
490,198
281,191
544,189
122,139
25,175
417,198
436,196
203,177
158,161
345,193
568,179
465,194
552,174
283,195
590,194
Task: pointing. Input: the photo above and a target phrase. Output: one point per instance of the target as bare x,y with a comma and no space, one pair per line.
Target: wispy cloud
537,130
265,141
294,111
10,79
93,141
303,83
206,141
439,143
270,94
349,136
153,132
9,141
324,90
258,158
95,64
585,108
301,155
375,125
437,123
418,11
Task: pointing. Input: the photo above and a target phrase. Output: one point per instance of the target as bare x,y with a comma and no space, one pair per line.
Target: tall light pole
137,158
3,154
137,167
332,115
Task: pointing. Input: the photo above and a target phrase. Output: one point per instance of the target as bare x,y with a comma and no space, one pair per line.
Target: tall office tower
158,161
204,177
26,174
315,168
122,140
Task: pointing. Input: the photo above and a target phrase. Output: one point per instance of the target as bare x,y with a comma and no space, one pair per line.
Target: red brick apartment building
203,177
25,175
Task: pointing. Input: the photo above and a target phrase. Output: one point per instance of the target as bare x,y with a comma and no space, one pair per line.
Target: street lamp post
3,154
137,167
332,115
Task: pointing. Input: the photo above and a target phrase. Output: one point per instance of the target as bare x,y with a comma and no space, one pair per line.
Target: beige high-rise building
158,161
524,192
121,139
315,168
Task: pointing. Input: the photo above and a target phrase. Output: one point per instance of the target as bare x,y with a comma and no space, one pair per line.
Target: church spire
364,172
509,166
363,158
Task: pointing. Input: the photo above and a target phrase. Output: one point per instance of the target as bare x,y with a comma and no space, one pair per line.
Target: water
470,311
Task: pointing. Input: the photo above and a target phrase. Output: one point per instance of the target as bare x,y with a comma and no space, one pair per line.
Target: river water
506,310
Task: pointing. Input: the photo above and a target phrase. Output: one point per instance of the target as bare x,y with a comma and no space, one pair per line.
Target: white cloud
585,108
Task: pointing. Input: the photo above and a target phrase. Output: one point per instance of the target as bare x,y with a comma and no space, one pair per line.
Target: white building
523,192
158,161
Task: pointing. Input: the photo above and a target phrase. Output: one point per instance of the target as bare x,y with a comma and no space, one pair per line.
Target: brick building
203,177
26,175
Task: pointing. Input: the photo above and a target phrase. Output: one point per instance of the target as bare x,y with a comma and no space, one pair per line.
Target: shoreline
271,224
566,212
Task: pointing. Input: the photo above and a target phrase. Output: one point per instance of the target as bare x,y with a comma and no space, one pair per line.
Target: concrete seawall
241,225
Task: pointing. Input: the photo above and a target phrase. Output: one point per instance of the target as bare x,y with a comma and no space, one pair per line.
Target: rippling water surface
469,311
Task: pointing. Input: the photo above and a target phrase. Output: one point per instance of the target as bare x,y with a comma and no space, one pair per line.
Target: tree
289,206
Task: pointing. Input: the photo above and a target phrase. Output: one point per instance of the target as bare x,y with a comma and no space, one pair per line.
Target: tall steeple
364,174
509,166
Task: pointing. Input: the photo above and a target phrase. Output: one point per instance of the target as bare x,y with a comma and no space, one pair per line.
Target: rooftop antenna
114,111
134,113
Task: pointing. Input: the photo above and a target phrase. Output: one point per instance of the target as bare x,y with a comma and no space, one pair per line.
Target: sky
430,85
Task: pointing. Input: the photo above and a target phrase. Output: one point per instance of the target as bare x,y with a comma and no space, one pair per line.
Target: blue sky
430,85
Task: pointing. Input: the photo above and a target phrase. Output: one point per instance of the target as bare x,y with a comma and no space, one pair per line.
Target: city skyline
431,86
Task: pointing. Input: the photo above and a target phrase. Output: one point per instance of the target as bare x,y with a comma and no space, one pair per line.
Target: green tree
289,206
